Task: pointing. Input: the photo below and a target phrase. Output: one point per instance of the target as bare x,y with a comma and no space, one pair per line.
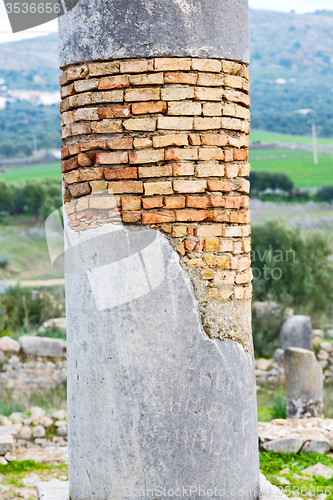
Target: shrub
38,198
262,180
5,197
266,330
325,193
26,308
287,263
278,408
4,261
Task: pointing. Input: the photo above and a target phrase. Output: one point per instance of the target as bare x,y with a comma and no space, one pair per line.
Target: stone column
155,124
304,384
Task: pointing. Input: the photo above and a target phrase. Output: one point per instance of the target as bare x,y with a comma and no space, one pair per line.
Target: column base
59,490
303,408
53,490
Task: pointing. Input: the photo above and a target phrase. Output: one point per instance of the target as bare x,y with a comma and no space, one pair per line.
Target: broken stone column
304,384
155,124
297,332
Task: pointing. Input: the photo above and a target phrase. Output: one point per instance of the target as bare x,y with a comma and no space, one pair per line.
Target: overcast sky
300,6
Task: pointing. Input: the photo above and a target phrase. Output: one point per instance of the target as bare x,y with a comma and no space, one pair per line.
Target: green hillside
30,172
296,50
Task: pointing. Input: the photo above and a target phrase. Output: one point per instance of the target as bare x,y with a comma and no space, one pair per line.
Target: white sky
300,6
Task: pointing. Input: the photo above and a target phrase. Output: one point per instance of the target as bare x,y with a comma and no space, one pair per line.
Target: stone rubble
32,364
20,432
314,435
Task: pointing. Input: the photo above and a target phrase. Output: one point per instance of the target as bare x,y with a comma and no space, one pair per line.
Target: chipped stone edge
212,310
59,490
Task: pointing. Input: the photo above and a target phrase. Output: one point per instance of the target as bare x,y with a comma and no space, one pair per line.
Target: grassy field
18,174
24,242
269,137
298,164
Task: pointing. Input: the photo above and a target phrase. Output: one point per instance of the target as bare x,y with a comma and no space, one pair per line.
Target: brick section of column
168,137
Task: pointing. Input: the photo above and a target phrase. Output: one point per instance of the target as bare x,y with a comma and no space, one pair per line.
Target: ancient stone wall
163,142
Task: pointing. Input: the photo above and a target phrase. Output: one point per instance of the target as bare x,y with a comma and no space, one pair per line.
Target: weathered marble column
155,124
304,384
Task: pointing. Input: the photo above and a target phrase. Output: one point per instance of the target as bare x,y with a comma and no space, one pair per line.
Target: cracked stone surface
152,399
95,30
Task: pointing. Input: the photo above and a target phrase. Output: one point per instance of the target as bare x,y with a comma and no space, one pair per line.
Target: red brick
240,154
142,143
71,177
156,202
130,203
218,215
65,152
244,170
189,246
167,228
196,201
70,164
158,217
162,187
228,155
181,154
183,169
207,231
214,185
209,170
76,72
155,171
226,277
113,82
121,143
199,246
241,185
198,262
142,108
107,127
80,189
187,78
115,111
214,140
142,94
63,80
131,217
161,141
92,144
91,174
191,215
126,186
67,198
111,158
217,201
80,128
194,139
240,217
211,154
231,171
146,156
233,201
189,186
174,202
245,201
121,173
85,160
